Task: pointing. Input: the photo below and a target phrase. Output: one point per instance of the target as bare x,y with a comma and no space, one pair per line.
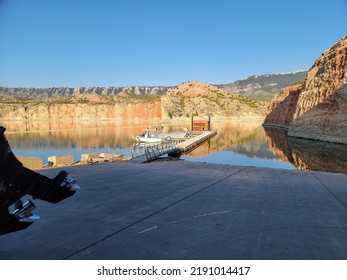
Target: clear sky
46,43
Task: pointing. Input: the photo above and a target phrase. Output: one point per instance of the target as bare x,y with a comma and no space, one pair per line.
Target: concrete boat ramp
184,210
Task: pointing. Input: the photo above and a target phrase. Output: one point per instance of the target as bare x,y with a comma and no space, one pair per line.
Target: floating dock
192,143
153,151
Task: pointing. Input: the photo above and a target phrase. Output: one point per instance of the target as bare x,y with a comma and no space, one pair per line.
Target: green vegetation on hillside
188,99
301,82
84,98
197,99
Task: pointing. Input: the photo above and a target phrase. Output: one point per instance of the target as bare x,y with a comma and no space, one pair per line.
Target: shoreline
264,147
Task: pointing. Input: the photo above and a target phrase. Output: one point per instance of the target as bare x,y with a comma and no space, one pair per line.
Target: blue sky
47,43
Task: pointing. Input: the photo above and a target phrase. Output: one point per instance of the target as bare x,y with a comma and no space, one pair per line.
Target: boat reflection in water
236,143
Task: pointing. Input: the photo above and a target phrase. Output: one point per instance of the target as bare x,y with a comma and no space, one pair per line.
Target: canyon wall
177,105
150,111
202,100
282,107
317,109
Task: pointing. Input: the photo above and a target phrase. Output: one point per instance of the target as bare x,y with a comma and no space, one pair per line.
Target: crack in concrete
327,188
154,213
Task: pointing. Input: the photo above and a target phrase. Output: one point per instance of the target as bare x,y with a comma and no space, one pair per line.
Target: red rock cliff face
147,111
318,109
281,110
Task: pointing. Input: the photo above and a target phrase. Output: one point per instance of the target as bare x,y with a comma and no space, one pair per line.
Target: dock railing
171,147
153,150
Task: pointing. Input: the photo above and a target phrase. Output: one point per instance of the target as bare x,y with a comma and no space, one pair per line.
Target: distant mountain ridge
176,105
36,93
262,87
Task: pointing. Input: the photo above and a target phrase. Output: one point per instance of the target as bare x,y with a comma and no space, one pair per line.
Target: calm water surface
237,143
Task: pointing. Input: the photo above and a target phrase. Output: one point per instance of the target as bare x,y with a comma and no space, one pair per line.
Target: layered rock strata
318,108
177,105
199,99
150,111
282,108
36,93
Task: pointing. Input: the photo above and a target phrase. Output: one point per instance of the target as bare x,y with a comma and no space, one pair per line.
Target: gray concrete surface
185,210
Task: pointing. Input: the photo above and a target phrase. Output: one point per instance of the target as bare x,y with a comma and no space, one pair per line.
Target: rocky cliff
198,99
37,93
282,108
188,99
262,87
318,108
85,107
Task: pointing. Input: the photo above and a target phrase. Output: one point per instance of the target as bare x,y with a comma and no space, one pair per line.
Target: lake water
236,143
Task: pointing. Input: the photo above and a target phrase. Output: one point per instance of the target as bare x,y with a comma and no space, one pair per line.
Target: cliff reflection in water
246,138
307,154
44,139
69,135
236,143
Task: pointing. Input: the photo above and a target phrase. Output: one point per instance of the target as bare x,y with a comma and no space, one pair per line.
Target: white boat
155,134
150,135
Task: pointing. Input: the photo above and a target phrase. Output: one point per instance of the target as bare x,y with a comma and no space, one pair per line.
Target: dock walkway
143,153
152,151
193,142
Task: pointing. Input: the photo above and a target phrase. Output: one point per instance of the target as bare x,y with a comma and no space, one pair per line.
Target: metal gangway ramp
148,152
